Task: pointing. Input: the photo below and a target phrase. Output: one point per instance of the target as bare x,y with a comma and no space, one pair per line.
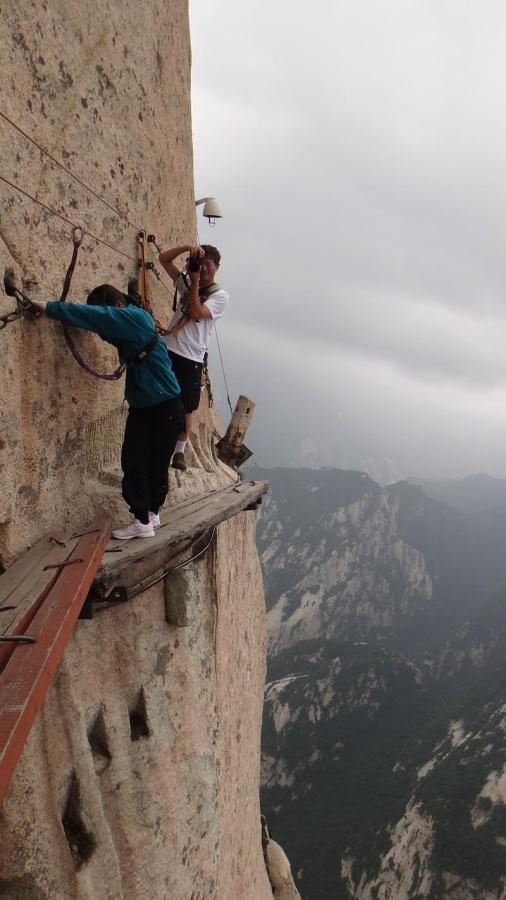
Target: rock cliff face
115,110
141,775
450,841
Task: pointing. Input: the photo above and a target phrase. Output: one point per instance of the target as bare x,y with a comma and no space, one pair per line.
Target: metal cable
67,220
83,184
145,587
223,369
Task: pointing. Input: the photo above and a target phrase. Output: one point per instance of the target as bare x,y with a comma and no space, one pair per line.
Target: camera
194,263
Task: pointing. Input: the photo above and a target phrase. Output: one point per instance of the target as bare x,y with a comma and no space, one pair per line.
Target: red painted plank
28,674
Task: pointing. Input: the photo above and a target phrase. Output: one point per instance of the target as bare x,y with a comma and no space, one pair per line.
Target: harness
204,294
142,353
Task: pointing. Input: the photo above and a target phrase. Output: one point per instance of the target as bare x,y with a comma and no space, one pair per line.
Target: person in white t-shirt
202,301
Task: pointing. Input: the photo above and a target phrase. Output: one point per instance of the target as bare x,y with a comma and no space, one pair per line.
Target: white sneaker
135,530
154,519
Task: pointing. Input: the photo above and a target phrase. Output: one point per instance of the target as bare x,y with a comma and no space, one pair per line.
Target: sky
358,150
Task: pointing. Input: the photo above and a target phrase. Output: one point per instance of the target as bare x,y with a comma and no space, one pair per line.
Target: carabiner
78,235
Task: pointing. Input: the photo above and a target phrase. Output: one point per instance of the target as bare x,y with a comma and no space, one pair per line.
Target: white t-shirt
192,340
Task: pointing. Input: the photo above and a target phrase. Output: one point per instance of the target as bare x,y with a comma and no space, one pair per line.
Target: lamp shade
212,209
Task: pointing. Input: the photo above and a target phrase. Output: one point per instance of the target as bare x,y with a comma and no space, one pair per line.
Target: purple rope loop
77,238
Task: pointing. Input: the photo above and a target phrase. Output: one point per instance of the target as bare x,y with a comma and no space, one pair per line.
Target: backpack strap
204,294
143,352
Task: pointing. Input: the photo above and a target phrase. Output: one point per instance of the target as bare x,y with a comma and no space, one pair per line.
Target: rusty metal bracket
118,594
17,639
68,562
152,240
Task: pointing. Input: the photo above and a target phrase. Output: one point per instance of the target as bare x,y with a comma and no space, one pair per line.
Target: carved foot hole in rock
81,841
138,718
97,737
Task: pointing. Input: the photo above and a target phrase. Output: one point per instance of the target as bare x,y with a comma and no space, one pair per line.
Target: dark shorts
189,375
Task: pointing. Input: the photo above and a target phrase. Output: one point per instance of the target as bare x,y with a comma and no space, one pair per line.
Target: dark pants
189,376
150,437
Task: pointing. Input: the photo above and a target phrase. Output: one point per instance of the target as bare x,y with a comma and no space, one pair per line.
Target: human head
210,264
212,253
106,295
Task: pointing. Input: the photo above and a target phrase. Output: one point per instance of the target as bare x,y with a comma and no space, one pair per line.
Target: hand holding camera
194,261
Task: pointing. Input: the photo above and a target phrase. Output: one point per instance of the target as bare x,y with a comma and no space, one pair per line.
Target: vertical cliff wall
106,90
146,754
140,776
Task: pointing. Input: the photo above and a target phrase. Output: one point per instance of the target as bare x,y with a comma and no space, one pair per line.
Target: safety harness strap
77,237
130,361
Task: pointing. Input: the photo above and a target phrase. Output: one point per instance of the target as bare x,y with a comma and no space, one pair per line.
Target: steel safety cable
67,220
76,178
142,587
223,370
150,266
91,190
134,592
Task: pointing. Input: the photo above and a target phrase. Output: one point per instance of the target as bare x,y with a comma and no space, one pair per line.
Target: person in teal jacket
155,415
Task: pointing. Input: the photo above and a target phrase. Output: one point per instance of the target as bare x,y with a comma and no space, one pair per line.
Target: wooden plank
30,670
26,580
181,523
22,569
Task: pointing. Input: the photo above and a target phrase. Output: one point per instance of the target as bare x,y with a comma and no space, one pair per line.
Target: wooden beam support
181,525
28,673
231,448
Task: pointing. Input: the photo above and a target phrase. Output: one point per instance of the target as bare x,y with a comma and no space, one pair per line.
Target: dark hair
106,295
212,253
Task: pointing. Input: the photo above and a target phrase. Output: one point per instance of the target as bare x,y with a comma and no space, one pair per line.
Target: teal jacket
129,329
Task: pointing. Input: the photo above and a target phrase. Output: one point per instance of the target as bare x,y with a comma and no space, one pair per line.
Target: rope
65,219
223,370
77,238
68,172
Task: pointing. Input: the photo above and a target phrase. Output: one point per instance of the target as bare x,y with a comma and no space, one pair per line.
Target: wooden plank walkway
25,584
42,595
180,524
48,620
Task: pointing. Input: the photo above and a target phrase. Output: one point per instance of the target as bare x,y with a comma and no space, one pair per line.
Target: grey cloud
358,153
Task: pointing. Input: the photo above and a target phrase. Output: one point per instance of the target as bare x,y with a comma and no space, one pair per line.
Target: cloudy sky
359,152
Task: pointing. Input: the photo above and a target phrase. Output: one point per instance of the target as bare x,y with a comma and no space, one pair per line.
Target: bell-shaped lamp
212,209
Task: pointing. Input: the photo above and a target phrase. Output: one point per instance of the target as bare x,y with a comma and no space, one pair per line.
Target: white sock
180,446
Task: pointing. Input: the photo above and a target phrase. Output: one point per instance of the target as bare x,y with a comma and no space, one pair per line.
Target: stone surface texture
140,776
106,90
280,873
173,813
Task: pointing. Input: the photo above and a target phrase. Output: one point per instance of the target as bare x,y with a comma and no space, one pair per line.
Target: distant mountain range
476,493
384,749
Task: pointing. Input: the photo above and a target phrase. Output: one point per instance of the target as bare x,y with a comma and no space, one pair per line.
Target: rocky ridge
384,714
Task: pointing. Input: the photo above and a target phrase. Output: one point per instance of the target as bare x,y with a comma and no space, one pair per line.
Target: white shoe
135,530
154,519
